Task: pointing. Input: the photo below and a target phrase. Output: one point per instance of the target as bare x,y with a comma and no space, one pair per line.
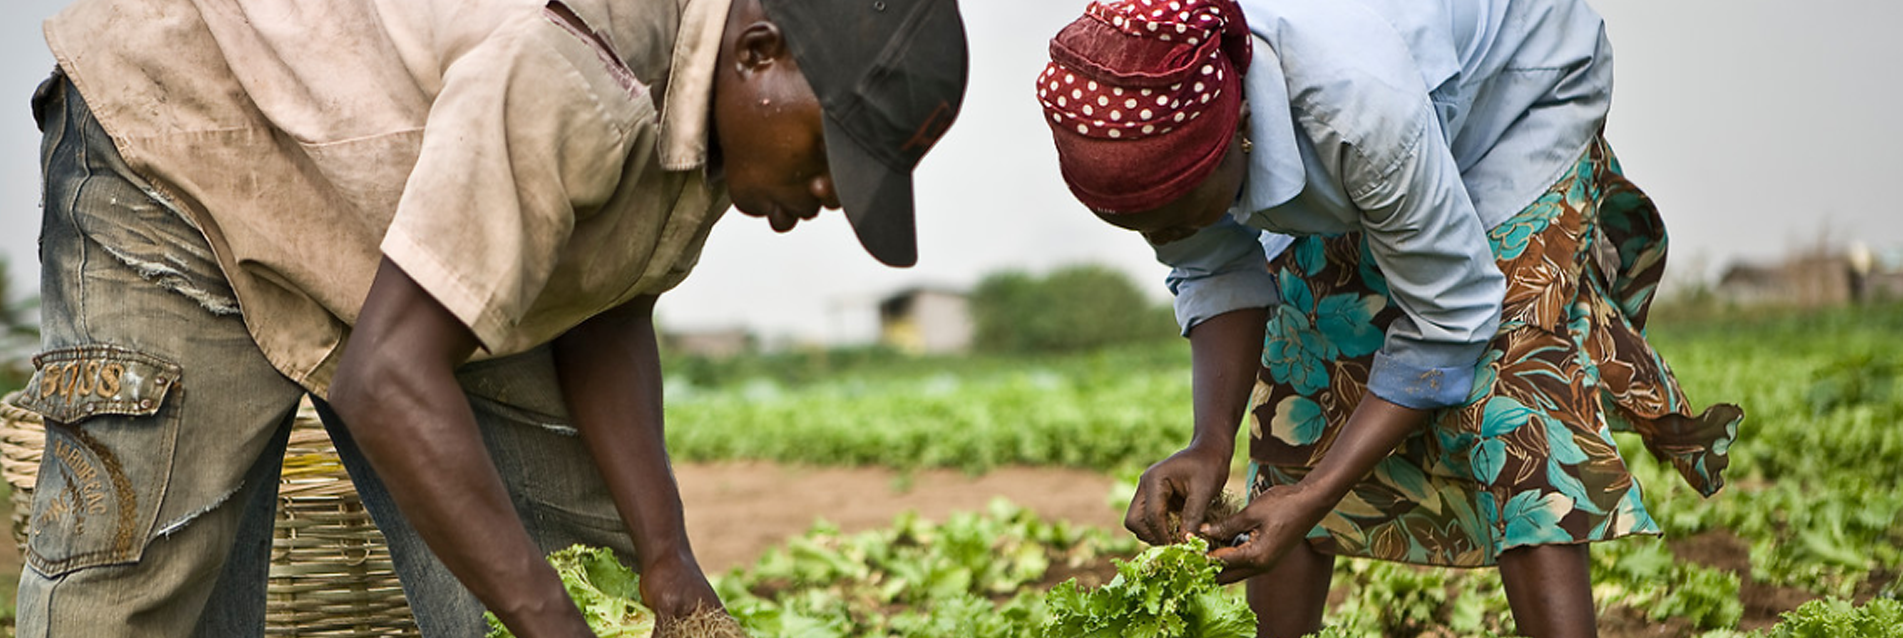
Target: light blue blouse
1421,124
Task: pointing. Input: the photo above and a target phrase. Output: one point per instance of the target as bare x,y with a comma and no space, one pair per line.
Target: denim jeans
166,426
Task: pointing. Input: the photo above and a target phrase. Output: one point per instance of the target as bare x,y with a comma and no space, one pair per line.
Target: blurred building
926,321
1856,274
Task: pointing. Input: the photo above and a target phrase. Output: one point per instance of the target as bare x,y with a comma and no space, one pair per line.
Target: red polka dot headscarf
1142,97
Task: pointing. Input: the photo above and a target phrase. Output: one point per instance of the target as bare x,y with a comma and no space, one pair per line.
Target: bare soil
736,511
1721,549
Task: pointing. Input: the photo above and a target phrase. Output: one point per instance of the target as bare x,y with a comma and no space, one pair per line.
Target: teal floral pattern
1529,459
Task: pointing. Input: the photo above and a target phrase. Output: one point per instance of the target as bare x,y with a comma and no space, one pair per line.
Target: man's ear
759,45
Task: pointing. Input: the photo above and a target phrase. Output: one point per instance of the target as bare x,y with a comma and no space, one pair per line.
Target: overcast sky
1761,127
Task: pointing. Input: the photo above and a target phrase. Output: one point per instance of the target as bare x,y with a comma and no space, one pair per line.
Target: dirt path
737,511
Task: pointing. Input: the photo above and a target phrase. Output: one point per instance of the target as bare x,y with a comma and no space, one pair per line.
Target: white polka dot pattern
1097,109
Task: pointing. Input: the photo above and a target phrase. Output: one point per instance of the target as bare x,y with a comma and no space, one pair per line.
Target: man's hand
1182,485
677,589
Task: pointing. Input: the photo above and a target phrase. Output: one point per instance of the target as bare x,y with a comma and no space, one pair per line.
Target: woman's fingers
1182,488
1240,562
1148,515
1269,527
1195,509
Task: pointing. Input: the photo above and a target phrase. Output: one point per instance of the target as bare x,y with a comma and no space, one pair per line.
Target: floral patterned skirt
1529,458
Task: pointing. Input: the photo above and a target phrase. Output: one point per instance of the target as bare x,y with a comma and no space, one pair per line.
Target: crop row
996,575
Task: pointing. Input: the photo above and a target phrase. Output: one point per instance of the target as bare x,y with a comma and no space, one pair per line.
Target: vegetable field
1805,541
1812,513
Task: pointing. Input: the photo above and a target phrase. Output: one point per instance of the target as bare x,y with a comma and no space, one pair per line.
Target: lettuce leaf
607,592
1167,591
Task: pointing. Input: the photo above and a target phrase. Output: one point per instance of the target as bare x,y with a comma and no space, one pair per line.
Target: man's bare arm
611,378
397,393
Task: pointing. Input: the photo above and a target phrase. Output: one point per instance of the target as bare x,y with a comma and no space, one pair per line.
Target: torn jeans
166,426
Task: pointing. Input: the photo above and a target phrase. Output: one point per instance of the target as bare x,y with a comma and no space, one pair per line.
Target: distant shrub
1073,308
19,334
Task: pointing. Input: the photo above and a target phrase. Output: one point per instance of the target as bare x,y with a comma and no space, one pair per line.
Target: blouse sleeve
1430,245
1219,269
1360,96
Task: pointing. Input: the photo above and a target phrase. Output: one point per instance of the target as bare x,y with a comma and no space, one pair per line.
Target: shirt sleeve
1430,245
531,126
1221,268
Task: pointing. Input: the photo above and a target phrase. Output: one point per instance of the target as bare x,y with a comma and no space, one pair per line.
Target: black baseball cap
890,76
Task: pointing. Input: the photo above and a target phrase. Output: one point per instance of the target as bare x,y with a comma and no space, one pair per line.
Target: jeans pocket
108,454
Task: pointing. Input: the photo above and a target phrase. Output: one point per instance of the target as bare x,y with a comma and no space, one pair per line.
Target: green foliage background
19,333
1071,309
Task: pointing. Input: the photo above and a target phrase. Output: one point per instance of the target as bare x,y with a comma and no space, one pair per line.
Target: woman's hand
1185,484
1274,522
1225,352
1282,516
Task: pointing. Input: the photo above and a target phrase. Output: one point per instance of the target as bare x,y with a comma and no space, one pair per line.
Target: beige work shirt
528,169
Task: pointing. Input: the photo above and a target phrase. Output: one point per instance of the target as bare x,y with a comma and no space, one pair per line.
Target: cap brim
877,199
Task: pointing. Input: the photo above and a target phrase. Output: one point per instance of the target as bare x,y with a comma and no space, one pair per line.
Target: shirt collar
690,85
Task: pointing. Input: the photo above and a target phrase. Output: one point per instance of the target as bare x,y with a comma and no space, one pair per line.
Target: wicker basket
331,573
